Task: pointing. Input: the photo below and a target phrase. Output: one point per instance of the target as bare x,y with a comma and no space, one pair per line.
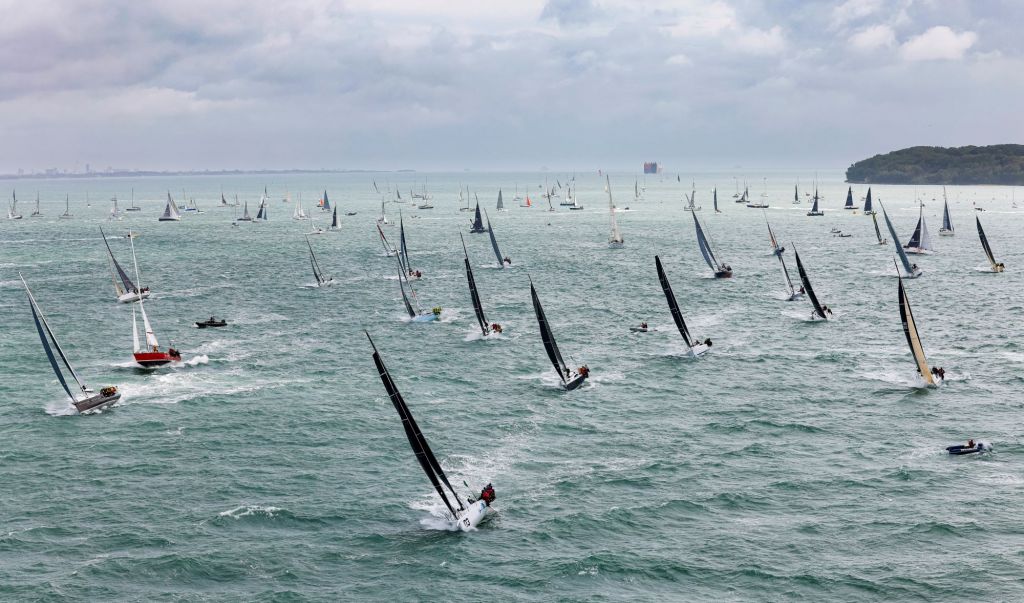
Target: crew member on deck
487,494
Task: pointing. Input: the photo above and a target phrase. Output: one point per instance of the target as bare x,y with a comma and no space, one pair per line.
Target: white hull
916,251
914,274
127,298
475,513
795,297
616,245
946,233
698,350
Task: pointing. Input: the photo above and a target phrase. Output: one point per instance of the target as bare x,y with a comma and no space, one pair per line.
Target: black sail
984,242
417,441
477,306
546,336
807,286
672,305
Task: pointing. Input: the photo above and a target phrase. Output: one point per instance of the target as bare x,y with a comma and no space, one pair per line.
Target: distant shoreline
157,173
1001,164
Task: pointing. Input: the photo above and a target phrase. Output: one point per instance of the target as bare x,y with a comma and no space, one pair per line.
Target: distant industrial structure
652,167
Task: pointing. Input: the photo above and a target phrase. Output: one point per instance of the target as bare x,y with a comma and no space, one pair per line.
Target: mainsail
477,306
705,248
403,250
334,219
913,339
418,443
867,203
616,236
714,196
47,337
849,198
317,272
985,246
547,337
947,225
920,241
388,249
907,267
814,208
878,233
501,204
807,286
171,212
494,243
789,281
129,286
771,236
673,306
326,203
478,223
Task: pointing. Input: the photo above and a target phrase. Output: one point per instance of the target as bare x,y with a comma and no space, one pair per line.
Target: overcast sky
454,84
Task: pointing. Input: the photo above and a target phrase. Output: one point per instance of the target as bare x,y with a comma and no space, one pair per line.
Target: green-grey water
795,461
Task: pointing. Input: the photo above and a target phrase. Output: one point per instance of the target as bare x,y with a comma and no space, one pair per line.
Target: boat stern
471,517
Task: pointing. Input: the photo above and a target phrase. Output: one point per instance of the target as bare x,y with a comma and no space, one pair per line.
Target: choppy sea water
794,461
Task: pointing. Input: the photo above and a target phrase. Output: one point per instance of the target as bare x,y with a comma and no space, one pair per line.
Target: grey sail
896,241
673,306
478,222
334,219
705,249
947,224
47,337
807,286
129,286
417,441
317,272
785,271
501,204
478,308
714,196
403,250
494,244
326,206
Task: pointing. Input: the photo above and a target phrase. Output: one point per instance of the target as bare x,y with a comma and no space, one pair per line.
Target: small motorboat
643,328
971,447
211,322
350,213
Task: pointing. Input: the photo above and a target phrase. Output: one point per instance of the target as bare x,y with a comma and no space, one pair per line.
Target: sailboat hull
616,245
155,359
131,296
815,213
723,274
796,296
426,317
473,515
575,383
945,233
96,402
698,350
916,251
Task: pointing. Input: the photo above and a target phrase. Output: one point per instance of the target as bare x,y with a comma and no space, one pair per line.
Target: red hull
151,359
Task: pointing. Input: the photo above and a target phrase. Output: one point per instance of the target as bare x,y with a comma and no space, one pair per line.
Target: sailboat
818,311
722,270
115,213
776,248
171,213
745,197
151,356
868,209
133,207
126,290
478,224
298,213
465,198
920,242
245,213
637,196
403,249
67,208
383,218
575,204
996,266
325,203
691,199
570,381
486,328
389,249
814,208
947,224
763,204
874,220
909,270
516,198
192,206
503,260
796,194
849,199
335,224
794,293
321,279
36,213
615,241
714,197
501,204
106,397
527,203
412,304
12,209
467,517
913,338
694,347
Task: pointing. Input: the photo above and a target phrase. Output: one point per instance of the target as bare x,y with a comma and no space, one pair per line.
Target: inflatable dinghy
961,449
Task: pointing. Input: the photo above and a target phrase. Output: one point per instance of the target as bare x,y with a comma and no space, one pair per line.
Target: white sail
135,333
616,237
299,213
151,341
171,212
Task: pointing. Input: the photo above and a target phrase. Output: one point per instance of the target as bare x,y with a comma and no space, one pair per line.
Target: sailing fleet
148,353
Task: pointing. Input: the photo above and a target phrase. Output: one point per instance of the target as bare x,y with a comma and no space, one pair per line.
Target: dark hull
723,274
96,402
478,230
815,213
958,450
206,323
578,381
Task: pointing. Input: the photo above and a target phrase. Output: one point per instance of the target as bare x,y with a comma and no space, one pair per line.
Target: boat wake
249,510
197,360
